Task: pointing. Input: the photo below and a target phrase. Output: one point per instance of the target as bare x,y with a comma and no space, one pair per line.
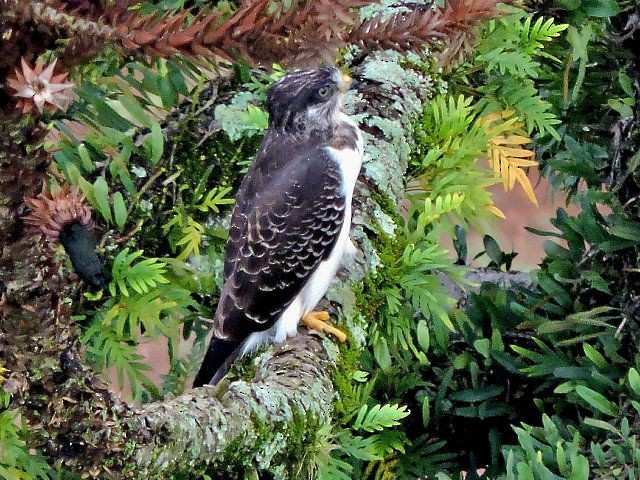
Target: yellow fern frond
506,153
191,240
496,211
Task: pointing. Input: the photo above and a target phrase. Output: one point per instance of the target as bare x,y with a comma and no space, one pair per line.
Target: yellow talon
317,321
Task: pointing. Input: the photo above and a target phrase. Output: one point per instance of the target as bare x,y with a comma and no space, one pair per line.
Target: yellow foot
318,321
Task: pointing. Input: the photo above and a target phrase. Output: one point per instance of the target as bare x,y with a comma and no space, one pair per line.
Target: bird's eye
324,92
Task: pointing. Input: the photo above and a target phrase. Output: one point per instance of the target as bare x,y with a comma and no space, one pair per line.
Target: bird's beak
349,83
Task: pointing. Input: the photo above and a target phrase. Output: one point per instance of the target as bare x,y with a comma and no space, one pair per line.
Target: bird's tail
217,361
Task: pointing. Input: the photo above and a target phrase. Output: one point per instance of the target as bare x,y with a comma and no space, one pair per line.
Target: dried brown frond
258,31
314,32
306,32
53,209
411,30
28,28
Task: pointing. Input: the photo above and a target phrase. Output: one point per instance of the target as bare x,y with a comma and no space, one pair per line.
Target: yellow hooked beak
348,84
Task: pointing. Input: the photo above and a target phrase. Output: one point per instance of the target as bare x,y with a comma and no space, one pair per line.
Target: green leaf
157,143
256,117
477,394
561,459
141,276
595,356
634,381
600,8
101,195
381,352
483,346
524,472
580,470
597,400
596,281
579,43
104,113
87,163
119,210
360,376
493,249
422,332
359,447
601,424
426,412
129,108
628,232
625,83
379,417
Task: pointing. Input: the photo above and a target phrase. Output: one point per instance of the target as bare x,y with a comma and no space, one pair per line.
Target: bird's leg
318,321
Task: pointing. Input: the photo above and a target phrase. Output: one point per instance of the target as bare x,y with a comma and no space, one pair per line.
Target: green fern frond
141,277
16,462
185,234
335,469
324,462
508,52
442,205
192,234
107,349
379,417
510,45
133,312
533,36
509,62
451,116
213,199
522,96
355,446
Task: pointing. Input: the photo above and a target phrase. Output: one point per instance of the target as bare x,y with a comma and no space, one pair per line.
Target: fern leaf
522,96
496,211
141,277
191,239
335,469
146,274
362,448
214,198
109,349
541,31
132,312
443,204
505,153
379,417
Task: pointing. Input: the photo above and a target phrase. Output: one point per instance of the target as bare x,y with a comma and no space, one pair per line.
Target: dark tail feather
220,354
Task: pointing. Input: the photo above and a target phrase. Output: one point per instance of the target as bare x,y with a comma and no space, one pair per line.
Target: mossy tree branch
243,425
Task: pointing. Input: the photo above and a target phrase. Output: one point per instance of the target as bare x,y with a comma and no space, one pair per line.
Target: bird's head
307,99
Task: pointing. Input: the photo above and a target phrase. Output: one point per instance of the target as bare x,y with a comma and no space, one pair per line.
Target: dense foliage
526,382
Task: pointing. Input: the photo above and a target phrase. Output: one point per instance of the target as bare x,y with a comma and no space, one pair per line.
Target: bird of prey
290,226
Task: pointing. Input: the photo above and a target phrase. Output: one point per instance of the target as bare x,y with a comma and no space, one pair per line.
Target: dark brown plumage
285,223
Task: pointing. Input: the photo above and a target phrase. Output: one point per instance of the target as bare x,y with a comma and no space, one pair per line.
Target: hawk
290,226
